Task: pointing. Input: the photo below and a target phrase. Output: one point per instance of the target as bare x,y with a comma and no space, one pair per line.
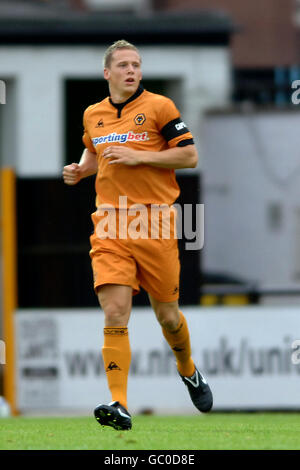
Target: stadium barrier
250,355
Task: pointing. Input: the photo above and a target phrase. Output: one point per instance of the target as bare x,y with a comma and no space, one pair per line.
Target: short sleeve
172,127
86,138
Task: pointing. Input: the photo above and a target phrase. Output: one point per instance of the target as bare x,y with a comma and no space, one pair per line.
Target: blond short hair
121,44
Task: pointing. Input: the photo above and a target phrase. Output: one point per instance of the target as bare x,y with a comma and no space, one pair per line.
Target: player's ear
106,74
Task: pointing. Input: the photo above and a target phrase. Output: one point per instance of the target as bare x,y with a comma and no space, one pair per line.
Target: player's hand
125,155
72,174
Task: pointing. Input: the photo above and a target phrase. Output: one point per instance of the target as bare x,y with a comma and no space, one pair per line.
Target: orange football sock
116,355
179,341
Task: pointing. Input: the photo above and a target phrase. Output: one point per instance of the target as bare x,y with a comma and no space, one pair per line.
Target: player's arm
87,166
176,157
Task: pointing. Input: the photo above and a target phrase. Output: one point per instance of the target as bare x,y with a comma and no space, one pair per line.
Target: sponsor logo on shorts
121,138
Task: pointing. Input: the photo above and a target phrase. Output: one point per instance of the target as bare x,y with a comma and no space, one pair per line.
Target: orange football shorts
137,248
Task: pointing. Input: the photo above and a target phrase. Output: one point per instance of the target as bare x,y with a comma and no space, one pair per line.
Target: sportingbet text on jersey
120,138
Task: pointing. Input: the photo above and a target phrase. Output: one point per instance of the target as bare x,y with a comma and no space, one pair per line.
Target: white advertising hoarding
245,353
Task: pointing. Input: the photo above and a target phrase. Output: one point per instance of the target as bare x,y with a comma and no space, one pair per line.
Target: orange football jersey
146,121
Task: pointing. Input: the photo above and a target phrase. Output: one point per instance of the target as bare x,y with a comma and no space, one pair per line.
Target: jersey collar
120,106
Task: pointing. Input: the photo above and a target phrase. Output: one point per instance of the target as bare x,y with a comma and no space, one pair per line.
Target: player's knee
116,306
115,315
168,317
116,312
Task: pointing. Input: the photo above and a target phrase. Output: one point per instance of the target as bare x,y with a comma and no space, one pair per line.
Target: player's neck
120,97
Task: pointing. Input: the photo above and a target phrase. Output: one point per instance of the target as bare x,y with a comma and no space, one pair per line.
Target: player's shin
116,355
179,341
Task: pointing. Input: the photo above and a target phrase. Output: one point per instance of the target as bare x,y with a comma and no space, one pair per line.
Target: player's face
124,74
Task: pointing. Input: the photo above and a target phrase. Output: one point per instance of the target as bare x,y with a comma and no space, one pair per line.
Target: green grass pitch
215,431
